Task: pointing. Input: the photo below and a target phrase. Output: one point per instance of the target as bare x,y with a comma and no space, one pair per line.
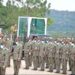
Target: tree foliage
9,13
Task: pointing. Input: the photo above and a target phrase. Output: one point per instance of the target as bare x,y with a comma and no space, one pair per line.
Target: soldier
35,51
65,56
9,44
50,56
17,54
58,56
4,54
42,55
46,54
73,58
54,52
38,58
45,39
27,54
30,53
69,55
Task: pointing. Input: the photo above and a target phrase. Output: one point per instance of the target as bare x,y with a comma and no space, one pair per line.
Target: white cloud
63,4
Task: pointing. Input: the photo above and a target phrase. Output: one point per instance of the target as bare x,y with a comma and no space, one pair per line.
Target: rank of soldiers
53,54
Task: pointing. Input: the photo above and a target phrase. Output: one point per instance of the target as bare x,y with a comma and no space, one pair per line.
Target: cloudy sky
63,4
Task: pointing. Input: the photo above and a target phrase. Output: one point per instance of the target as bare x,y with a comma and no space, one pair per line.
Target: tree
1,1
9,13
37,7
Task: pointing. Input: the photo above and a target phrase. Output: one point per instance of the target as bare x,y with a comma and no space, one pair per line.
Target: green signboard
37,26
22,26
31,25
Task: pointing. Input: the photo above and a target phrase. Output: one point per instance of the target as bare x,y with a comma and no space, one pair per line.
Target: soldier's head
50,39
66,41
59,40
34,38
73,40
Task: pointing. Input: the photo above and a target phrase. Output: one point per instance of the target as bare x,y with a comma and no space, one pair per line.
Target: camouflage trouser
42,63
73,67
64,65
27,63
30,60
47,62
58,63
54,63
50,59
16,66
2,71
35,62
38,61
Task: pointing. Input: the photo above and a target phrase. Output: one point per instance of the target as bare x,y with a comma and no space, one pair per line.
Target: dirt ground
22,71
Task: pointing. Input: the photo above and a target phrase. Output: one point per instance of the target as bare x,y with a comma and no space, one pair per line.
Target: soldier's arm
6,58
20,53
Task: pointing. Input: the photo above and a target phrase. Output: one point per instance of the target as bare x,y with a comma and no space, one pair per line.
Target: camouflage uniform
4,54
39,42
1,41
54,52
73,59
69,55
50,56
30,53
42,56
65,57
9,44
17,54
58,57
27,54
35,51
46,55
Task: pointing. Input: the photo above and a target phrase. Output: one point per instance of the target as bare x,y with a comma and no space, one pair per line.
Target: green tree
9,13
37,7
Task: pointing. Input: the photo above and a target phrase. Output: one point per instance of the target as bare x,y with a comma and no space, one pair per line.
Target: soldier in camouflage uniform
9,44
42,55
58,56
38,45
30,53
46,56
65,56
35,51
69,52
54,52
46,40
17,54
27,54
50,56
73,58
4,54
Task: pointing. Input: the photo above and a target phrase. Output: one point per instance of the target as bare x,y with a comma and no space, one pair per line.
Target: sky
67,5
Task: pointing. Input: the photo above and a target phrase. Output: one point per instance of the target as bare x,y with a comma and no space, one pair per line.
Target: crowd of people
50,53
53,54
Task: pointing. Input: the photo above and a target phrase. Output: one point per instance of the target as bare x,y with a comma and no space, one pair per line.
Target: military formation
50,53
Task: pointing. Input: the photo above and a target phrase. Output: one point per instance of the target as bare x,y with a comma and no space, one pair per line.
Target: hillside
63,23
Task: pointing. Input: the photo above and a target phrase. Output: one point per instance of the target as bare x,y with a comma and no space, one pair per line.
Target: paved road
23,71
